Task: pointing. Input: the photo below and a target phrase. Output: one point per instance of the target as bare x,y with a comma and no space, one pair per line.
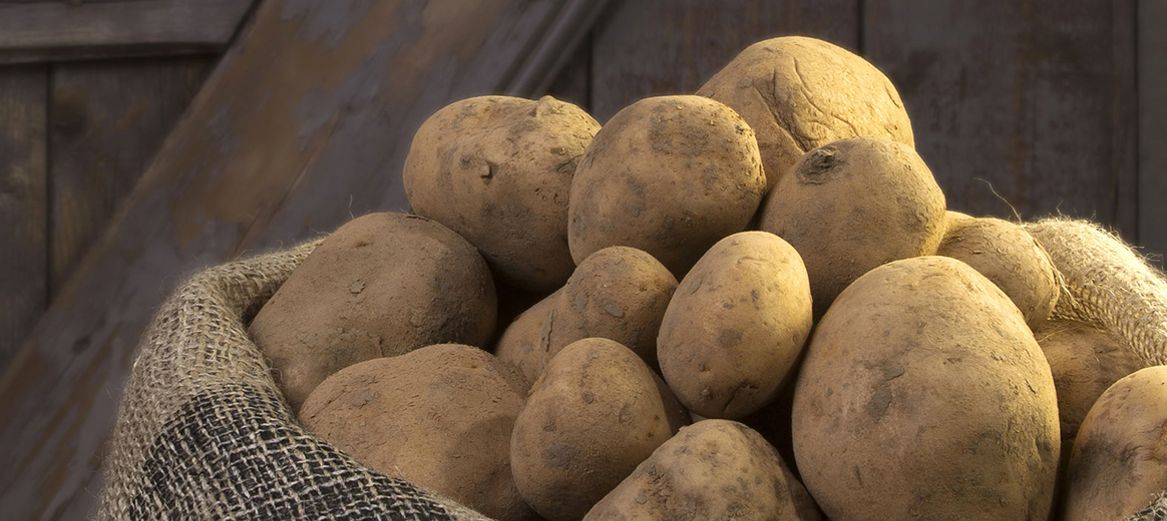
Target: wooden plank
109,118
23,204
573,83
267,154
653,47
1152,54
54,31
1025,102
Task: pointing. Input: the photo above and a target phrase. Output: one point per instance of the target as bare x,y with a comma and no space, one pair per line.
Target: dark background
1021,108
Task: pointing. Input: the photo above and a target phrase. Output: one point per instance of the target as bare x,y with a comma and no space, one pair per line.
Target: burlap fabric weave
1107,284
203,432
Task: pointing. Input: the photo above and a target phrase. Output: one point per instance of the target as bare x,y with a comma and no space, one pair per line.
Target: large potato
1085,361
1007,255
853,205
736,325
439,417
594,415
801,93
497,170
381,285
1119,462
669,175
618,293
923,395
711,470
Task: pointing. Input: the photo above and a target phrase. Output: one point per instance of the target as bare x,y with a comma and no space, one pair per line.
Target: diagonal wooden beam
305,123
56,31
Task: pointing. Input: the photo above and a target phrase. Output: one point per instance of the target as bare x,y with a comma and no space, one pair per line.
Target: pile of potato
748,303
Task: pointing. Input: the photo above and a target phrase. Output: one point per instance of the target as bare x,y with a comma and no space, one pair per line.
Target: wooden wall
88,92
1037,107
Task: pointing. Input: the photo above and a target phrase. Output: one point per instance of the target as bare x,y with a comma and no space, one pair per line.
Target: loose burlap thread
203,432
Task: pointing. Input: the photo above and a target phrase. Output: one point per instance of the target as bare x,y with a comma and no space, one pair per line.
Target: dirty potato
736,325
497,170
439,417
800,93
711,470
853,205
923,395
381,285
594,415
618,293
669,175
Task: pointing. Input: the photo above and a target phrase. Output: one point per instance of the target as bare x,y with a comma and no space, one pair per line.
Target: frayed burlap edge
196,345
1107,284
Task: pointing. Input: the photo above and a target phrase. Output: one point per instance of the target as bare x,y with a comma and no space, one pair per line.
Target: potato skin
713,469
953,217
594,415
736,325
497,170
923,395
1007,255
439,417
618,293
1119,462
381,285
1085,361
669,175
853,205
800,93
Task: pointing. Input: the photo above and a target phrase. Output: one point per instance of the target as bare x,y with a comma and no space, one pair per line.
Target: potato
381,285
1006,254
801,93
713,469
853,205
440,417
923,395
594,415
669,175
618,293
1119,462
1085,361
497,170
736,325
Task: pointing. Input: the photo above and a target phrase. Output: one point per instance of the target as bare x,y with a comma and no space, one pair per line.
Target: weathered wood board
108,120
1152,201
56,31
1022,104
23,204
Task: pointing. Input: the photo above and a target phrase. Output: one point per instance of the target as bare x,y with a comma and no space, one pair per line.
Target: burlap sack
203,432
1107,284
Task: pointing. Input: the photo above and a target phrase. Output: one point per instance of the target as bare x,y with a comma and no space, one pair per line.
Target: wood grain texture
108,120
266,156
1152,55
1033,100
654,47
573,82
23,204
54,31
